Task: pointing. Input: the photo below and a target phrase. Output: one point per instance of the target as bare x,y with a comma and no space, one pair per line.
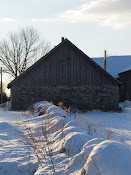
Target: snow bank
125,104
83,152
109,157
69,147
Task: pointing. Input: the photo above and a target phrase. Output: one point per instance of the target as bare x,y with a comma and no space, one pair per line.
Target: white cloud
114,13
7,20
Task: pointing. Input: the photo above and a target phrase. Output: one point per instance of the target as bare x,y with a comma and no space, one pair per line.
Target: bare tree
18,52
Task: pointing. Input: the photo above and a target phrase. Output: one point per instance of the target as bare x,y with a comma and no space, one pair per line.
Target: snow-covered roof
115,64
126,69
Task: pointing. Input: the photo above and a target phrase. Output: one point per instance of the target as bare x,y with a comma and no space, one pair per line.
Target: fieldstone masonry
82,97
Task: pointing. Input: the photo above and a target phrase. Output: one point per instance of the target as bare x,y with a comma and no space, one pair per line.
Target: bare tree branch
21,49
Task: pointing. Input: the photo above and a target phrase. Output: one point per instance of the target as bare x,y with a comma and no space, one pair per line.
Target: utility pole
105,60
1,88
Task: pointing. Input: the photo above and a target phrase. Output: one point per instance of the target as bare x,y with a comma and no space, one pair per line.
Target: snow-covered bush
61,144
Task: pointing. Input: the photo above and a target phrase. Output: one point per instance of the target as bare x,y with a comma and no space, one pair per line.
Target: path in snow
14,157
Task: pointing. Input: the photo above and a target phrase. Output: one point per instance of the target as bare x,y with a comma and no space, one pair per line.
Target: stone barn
66,74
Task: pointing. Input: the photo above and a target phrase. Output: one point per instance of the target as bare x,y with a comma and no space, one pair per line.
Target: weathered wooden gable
66,65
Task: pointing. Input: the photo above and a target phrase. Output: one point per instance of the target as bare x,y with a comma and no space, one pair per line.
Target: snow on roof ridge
115,64
126,69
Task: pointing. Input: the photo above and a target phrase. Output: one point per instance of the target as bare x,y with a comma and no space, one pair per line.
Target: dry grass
108,133
39,139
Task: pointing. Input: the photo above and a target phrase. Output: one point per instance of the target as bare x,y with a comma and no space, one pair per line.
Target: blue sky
92,25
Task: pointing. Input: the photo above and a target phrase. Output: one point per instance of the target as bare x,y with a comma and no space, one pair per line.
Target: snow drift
59,143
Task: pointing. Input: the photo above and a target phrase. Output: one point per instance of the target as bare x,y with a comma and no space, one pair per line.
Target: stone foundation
82,97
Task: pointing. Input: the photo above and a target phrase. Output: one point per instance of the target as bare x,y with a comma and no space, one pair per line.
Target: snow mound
94,141
74,142
41,104
109,157
93,155
124,104
60,142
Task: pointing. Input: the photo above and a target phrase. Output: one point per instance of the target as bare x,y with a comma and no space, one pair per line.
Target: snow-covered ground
51,140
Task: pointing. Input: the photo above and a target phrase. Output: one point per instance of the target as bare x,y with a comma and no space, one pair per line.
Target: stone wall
82,97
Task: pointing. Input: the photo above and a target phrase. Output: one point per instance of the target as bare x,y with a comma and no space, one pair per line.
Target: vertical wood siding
125,78
66,66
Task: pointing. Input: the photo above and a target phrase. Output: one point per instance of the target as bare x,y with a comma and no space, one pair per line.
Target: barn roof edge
50,52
